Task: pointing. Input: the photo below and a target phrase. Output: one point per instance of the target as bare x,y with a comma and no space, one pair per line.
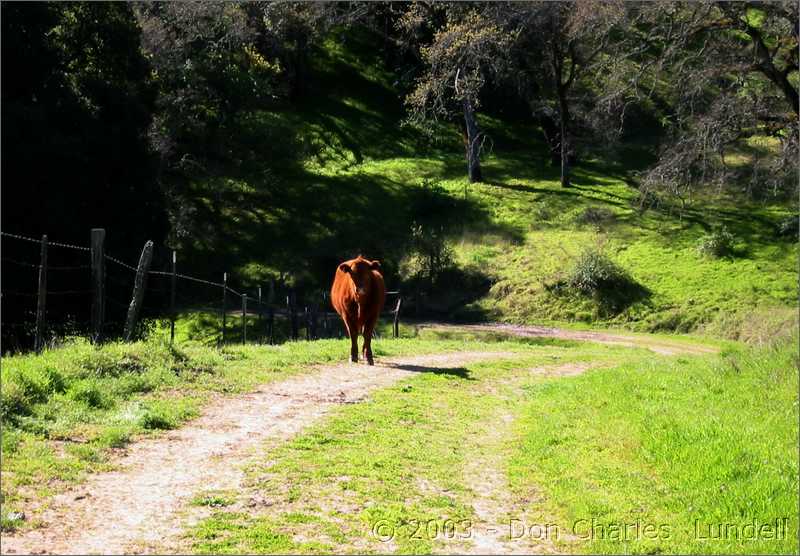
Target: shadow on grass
460,372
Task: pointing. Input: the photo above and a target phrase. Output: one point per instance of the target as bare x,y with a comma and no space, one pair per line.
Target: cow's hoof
370,361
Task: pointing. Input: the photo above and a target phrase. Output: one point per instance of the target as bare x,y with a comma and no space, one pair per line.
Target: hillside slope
361,181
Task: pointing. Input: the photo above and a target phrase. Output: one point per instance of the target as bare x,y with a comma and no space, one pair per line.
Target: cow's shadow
460,372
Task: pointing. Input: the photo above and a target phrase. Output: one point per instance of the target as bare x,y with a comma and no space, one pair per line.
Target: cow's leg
369,326
351,323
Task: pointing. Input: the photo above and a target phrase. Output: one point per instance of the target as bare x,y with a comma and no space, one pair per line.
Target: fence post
271,310
397,317
244,318
271,323
138,290
98,283
291,300
260,313
224,304
41,304
172,298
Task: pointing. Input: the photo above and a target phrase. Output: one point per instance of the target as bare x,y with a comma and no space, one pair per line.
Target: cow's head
360,272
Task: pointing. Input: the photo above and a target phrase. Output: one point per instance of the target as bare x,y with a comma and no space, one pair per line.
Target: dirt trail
661,346
139,506
503,523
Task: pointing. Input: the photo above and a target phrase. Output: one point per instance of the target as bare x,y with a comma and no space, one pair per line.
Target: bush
22,388
594,272
789,227
596,216
718,243
610,288
88,392
430,256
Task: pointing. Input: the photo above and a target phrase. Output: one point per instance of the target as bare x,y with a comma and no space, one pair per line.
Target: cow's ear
375,265
344,267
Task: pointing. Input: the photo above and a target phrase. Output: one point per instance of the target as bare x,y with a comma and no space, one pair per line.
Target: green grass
680,445
395,460
66,410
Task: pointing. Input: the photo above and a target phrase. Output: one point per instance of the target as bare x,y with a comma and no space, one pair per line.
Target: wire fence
75,290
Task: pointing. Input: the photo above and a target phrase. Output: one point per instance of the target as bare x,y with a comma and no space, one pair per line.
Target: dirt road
662,346
140,505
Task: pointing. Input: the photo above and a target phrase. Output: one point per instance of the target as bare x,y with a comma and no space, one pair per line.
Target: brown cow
358,294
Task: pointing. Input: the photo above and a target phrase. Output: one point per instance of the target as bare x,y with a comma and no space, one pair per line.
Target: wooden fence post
244,318
173,285
397,317
98,283
224,305
138,291
41,304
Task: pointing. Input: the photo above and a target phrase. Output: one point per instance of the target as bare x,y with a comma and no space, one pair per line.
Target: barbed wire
234,292
20,263
185,277
68,292
18,293
75,267
49,243
119,262
49,267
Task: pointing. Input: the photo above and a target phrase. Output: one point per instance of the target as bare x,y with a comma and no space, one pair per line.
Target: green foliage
718,243
89,392
431,255
594,272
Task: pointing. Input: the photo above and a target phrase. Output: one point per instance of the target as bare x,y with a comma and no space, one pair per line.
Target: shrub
594,272
610,287
596,216
22,388
789,227
718,243
431,257
645,199
153,420
89,393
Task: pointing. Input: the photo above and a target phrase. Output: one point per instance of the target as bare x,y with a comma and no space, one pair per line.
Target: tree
562,57
466,50
209,71
731,72
77,100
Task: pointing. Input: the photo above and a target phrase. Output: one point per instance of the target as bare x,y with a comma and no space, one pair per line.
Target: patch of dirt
141,506
656,345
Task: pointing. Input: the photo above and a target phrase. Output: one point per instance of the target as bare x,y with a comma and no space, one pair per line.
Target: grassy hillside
359,185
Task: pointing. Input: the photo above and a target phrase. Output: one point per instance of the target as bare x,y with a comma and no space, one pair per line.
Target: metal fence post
260,313
396,327
98,283
244,318
224,305
173,285
41,304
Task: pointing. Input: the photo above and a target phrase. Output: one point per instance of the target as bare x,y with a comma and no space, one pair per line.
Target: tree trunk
473,143
563,110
